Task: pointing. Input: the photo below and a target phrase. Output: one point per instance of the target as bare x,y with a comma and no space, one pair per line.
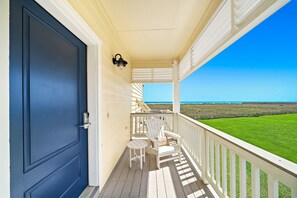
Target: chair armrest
169,133
154,140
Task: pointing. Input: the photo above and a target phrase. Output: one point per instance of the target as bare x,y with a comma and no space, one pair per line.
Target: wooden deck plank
182,168
161,189
196,190
177,183
203,188
110,185
191,179
121,166
137,181
121,181
144,178
173,179
152,179
130,180
169,185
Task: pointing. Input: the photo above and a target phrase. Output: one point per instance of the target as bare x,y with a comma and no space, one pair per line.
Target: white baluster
200,147
224,170
135,125
255,181
212,159
193,142
131,127
218,166
196,142
293,192
272,187
242,177
232,175
142,125
205,156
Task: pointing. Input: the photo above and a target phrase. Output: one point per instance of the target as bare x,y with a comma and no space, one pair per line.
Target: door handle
86,122
85,126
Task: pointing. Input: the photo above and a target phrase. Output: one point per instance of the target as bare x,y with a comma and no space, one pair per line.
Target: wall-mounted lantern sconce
120,62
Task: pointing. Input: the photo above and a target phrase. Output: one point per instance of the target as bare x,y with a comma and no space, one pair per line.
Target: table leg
140,158
130,157
144,154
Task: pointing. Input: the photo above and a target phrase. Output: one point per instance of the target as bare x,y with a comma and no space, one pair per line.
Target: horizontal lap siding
137,94
116,88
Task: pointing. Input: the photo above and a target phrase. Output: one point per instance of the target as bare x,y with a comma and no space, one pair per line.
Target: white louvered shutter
162,74
216,31
152,75
185,65
243,8
141,74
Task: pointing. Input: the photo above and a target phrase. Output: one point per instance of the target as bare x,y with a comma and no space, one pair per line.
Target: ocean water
196,102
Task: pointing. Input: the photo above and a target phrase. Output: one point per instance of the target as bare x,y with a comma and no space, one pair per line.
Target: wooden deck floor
173,179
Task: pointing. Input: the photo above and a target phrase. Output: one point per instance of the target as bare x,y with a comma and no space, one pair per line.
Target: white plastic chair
161,147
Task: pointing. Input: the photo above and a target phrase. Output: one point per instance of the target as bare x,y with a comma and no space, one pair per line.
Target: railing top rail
151,114
283,164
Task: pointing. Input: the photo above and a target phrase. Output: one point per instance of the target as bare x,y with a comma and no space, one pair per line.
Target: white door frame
65,14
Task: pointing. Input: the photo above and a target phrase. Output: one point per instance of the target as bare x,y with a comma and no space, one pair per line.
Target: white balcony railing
220,158
138,127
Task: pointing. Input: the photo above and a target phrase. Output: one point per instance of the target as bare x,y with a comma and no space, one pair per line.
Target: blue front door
47,101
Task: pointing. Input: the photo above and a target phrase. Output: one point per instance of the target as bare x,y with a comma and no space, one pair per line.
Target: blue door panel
51,100
50,166
48,97
66,176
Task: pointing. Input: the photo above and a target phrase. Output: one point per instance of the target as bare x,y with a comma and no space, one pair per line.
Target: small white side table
140,145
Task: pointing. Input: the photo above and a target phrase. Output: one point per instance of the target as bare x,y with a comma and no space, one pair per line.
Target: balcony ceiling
157,29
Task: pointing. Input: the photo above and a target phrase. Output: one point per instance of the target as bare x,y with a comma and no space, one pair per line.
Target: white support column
176,88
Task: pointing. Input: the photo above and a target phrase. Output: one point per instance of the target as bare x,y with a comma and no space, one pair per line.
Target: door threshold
90,192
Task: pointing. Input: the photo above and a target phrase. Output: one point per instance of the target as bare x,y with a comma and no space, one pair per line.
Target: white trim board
65,14
4,101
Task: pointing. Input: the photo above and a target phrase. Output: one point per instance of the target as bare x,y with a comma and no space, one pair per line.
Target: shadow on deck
173,179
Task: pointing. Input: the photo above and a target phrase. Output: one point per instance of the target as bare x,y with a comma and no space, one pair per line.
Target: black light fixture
120,62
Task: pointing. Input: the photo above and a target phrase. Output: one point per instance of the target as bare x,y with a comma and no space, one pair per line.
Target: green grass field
274,133
271,126
212,111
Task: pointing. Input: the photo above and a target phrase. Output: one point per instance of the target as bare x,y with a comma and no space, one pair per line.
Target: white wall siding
137,94
4,101
116,88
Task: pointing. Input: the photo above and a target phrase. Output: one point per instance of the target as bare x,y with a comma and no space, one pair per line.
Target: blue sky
260,66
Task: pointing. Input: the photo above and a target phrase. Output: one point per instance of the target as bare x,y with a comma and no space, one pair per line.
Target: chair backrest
155,128
143,106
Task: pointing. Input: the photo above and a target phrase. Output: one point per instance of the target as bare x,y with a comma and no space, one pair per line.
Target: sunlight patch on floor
187,177
199,193
160,184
